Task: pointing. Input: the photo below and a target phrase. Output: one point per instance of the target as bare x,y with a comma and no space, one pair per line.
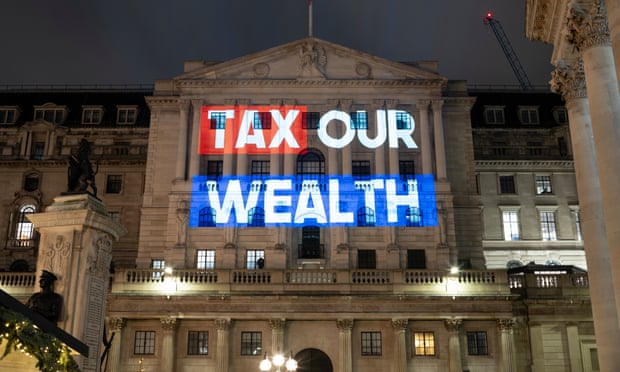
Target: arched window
256,217
366,217
24,230
413,216
206,217
310,164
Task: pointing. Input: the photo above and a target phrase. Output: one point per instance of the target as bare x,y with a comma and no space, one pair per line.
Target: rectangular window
115,216
262,120
38,150
477,343
159,265
528,115
547,225
114,183
360,169
494,115
371,343
205,259
406,169
8,116
213,169
359,120
499,148
366,259
51,115
197,343
91,115
144,343
218,120
578,225
535,148
510,220
424,343
403,120
252,257
560,115
260,168
251,343
126,115
507,185
416,259
310,120
543,185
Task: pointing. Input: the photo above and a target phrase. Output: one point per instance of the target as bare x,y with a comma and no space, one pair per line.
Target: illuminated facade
221,265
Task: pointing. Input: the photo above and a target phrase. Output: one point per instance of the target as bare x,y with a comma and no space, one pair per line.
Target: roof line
508,88
75,87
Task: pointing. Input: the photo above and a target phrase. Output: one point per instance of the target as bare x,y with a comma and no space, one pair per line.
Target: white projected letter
349,133
284,128
335,216
362,134
272,201
393,200
245,137
233,199
405,133
221,132
310,191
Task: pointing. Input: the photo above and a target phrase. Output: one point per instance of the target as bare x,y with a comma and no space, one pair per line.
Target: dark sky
138,41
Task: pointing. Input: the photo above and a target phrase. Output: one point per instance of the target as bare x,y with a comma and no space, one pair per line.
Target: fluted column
454,344
115,326
440,148
184,106
194,129
400,344
506,345
570,83
168,347
613,15
345,360
425,137
377,118
277,335
221,353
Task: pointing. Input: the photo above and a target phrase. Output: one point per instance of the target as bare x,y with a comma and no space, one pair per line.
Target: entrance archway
313,360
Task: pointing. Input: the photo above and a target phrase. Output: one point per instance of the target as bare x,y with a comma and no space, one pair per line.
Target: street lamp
278,361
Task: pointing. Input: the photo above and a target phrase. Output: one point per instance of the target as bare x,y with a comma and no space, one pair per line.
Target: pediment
308,59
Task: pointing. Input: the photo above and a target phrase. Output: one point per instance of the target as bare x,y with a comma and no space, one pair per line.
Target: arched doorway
313,360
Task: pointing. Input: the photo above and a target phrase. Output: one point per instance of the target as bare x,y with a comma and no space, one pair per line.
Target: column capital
400,324
505,325
169,323
569,81
184,104
423,104
222,324
116,323
588,28
437,104
385,103
277,324
344,324
453,325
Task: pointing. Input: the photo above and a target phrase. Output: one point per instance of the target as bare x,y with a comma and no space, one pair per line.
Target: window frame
144,345
9,115
59,113
528,115
366,217
310,120
548,226
253,346
371,343
205,259
541,182
420,350
88,115
251,258
509,225
126,115
359,119
367,259
480,344
260,168
360,169
196,344
114,184
503,187
494,111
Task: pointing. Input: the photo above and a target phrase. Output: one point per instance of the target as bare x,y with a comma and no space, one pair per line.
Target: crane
498,30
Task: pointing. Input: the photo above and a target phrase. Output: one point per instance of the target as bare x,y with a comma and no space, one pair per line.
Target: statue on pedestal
47,302
81,174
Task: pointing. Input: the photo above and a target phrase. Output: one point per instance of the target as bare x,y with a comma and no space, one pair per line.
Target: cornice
524,164
158,102
40,164
250,83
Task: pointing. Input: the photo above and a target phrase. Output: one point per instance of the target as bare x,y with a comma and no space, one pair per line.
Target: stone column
613,15
574,348
589,32
115,326
378,119
425,137
345,360
571,84
76,235
180,173
440,148
277,335
536,347
506,345
168,344
454,344
221,352
194,158
400,344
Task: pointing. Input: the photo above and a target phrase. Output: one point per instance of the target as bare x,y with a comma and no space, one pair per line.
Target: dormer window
8,115
494,115
50,113
560,115
528,115
126,114
92,114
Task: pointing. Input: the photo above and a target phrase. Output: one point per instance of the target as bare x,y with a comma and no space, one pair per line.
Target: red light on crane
489,15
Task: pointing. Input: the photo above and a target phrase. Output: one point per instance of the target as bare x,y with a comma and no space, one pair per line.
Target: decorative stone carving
81,175
222,324
400,324
182,222
277,324
168,323
363,70
312,61
569,82
56,255
344,324
453,325
261,69
99,260
588,29
116,323
505,325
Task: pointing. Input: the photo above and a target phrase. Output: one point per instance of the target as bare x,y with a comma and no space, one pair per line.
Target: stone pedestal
76,236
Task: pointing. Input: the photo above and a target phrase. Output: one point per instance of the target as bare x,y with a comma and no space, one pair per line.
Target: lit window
218,120
310,120
158,264
114,183
477,343
144,343
510,220
578,225
197,343
424,343
256,217
254,259
543,185
366,217
366,259
8,115
251,343
507,184
360,169
205,259
547,225
359,120
24,230
206,217
260,168
126,115
494,115
91,115
262,120
528,115
371,343
403,120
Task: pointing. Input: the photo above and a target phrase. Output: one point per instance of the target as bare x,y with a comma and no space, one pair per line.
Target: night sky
139,41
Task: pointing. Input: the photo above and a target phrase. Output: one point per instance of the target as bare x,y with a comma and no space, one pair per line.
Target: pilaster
454,344
344,336
400,344
115,327
168,347
507,348
222,353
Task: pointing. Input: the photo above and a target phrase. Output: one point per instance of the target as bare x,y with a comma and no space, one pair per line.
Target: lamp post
278,361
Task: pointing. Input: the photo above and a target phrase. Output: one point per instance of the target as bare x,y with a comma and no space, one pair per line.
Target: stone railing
18,284
547,285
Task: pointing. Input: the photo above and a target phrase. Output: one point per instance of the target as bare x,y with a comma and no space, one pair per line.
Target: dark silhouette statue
81,175
47,302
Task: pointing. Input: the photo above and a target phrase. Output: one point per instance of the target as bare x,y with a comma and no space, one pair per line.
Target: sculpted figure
47,302
81,174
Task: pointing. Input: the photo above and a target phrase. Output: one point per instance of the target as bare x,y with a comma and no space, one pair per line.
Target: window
507,184
416,259
477,343
158,264
24,230
256,217
91,115
115,216
53,115
215,169
424,343
359,120
535,148
403,120
38,150
310,164
206,217
218,120
310,242
413,216
510,220
31,182
406,169
494,115
371,343
114,184
366,217
144,343
205,259
310,120
252,257
528,115
560,115
547,225
499,148
543,185
251,343
126,115
577,225
262,120
197,343
360,169
260,168
8,116
366,259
